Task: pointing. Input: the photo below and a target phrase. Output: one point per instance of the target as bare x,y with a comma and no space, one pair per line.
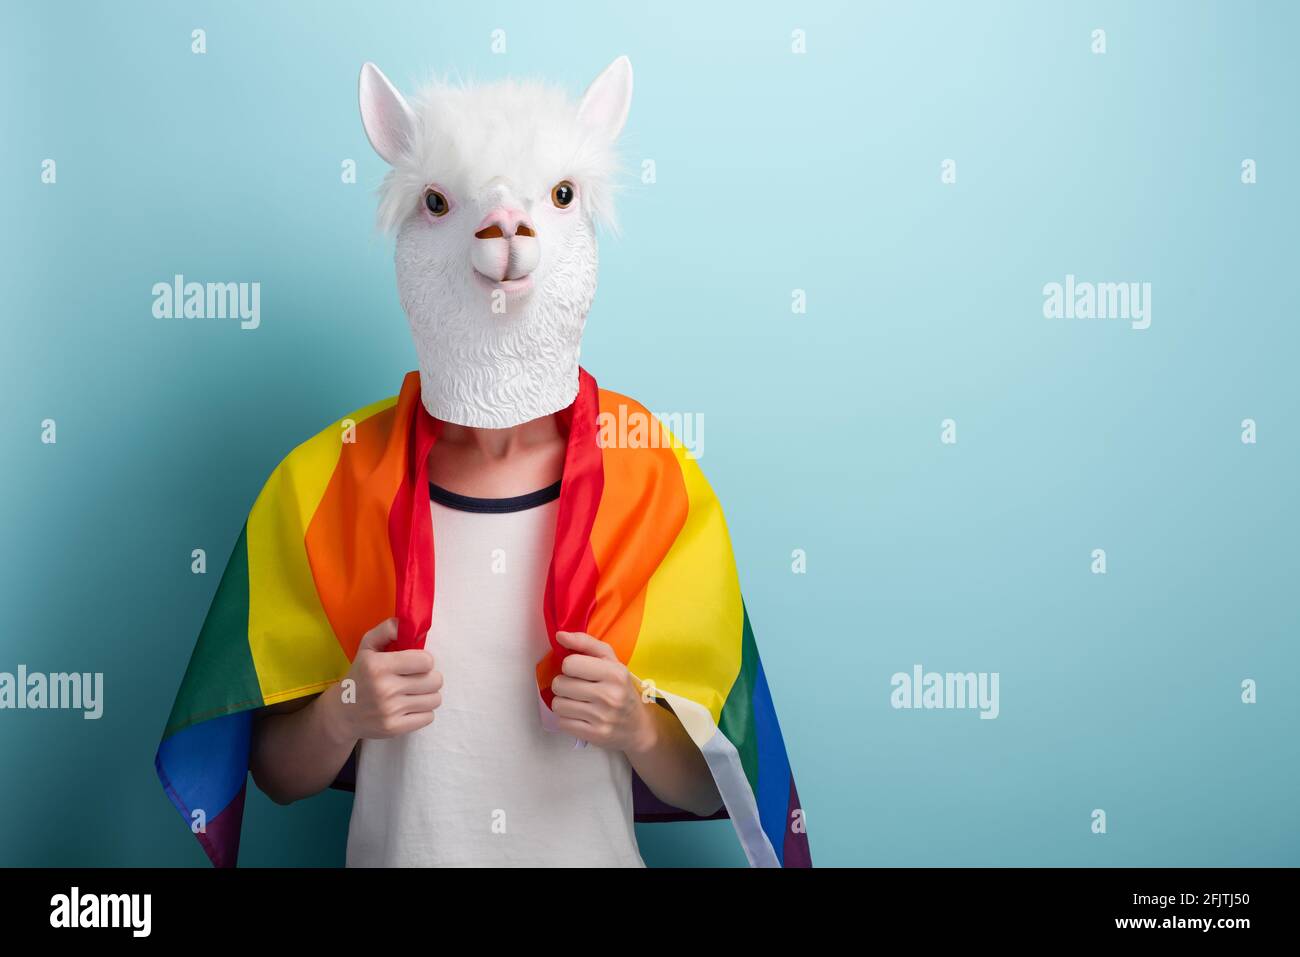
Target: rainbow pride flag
341,538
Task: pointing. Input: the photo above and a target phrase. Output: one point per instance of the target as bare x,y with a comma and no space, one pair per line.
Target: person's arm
597,701
299,747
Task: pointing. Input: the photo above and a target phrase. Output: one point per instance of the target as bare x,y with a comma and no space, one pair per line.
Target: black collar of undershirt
515,503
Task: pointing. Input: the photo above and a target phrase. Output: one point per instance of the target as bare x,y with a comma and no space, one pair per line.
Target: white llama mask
494,194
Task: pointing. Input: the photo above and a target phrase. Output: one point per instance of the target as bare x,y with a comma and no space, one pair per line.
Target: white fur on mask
492,361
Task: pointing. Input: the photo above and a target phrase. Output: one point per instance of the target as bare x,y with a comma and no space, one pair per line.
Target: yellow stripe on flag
294,648
693,602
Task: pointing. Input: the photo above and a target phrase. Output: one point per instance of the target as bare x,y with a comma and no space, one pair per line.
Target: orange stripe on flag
642,509
347,541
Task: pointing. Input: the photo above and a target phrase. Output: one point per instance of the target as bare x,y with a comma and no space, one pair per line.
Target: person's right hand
386,693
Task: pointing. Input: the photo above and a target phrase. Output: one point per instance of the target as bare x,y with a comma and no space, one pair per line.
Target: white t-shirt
485,784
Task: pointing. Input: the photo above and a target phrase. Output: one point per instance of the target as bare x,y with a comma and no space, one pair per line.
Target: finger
378,637
419,684
581,730
413,661
411,722
578,710
584,643
592,669
576,689
419,703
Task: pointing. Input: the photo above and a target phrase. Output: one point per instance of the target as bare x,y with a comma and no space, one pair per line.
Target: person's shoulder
368,426
611,401
654,439
620,412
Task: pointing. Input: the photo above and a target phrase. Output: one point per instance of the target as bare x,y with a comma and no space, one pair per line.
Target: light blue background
775,172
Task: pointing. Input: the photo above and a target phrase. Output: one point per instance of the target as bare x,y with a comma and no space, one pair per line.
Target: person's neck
497,445
495,463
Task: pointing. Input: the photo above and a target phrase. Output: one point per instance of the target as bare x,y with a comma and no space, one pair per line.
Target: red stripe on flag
410,524
571,579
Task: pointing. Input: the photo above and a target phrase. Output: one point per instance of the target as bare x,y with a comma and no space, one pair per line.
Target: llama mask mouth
513,288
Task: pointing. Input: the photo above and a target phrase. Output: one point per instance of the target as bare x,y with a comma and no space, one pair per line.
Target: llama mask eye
436,203
562,193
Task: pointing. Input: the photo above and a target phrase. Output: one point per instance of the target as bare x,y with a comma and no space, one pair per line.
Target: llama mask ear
607,100
389,122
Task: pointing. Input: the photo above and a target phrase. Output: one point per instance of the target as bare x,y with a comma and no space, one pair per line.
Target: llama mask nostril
506,221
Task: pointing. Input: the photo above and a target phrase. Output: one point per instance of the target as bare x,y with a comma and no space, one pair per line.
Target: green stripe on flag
737,718
221,678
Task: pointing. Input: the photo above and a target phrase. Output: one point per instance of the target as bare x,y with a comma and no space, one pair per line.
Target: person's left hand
597,700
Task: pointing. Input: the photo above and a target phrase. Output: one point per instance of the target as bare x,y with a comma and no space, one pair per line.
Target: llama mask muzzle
494,194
